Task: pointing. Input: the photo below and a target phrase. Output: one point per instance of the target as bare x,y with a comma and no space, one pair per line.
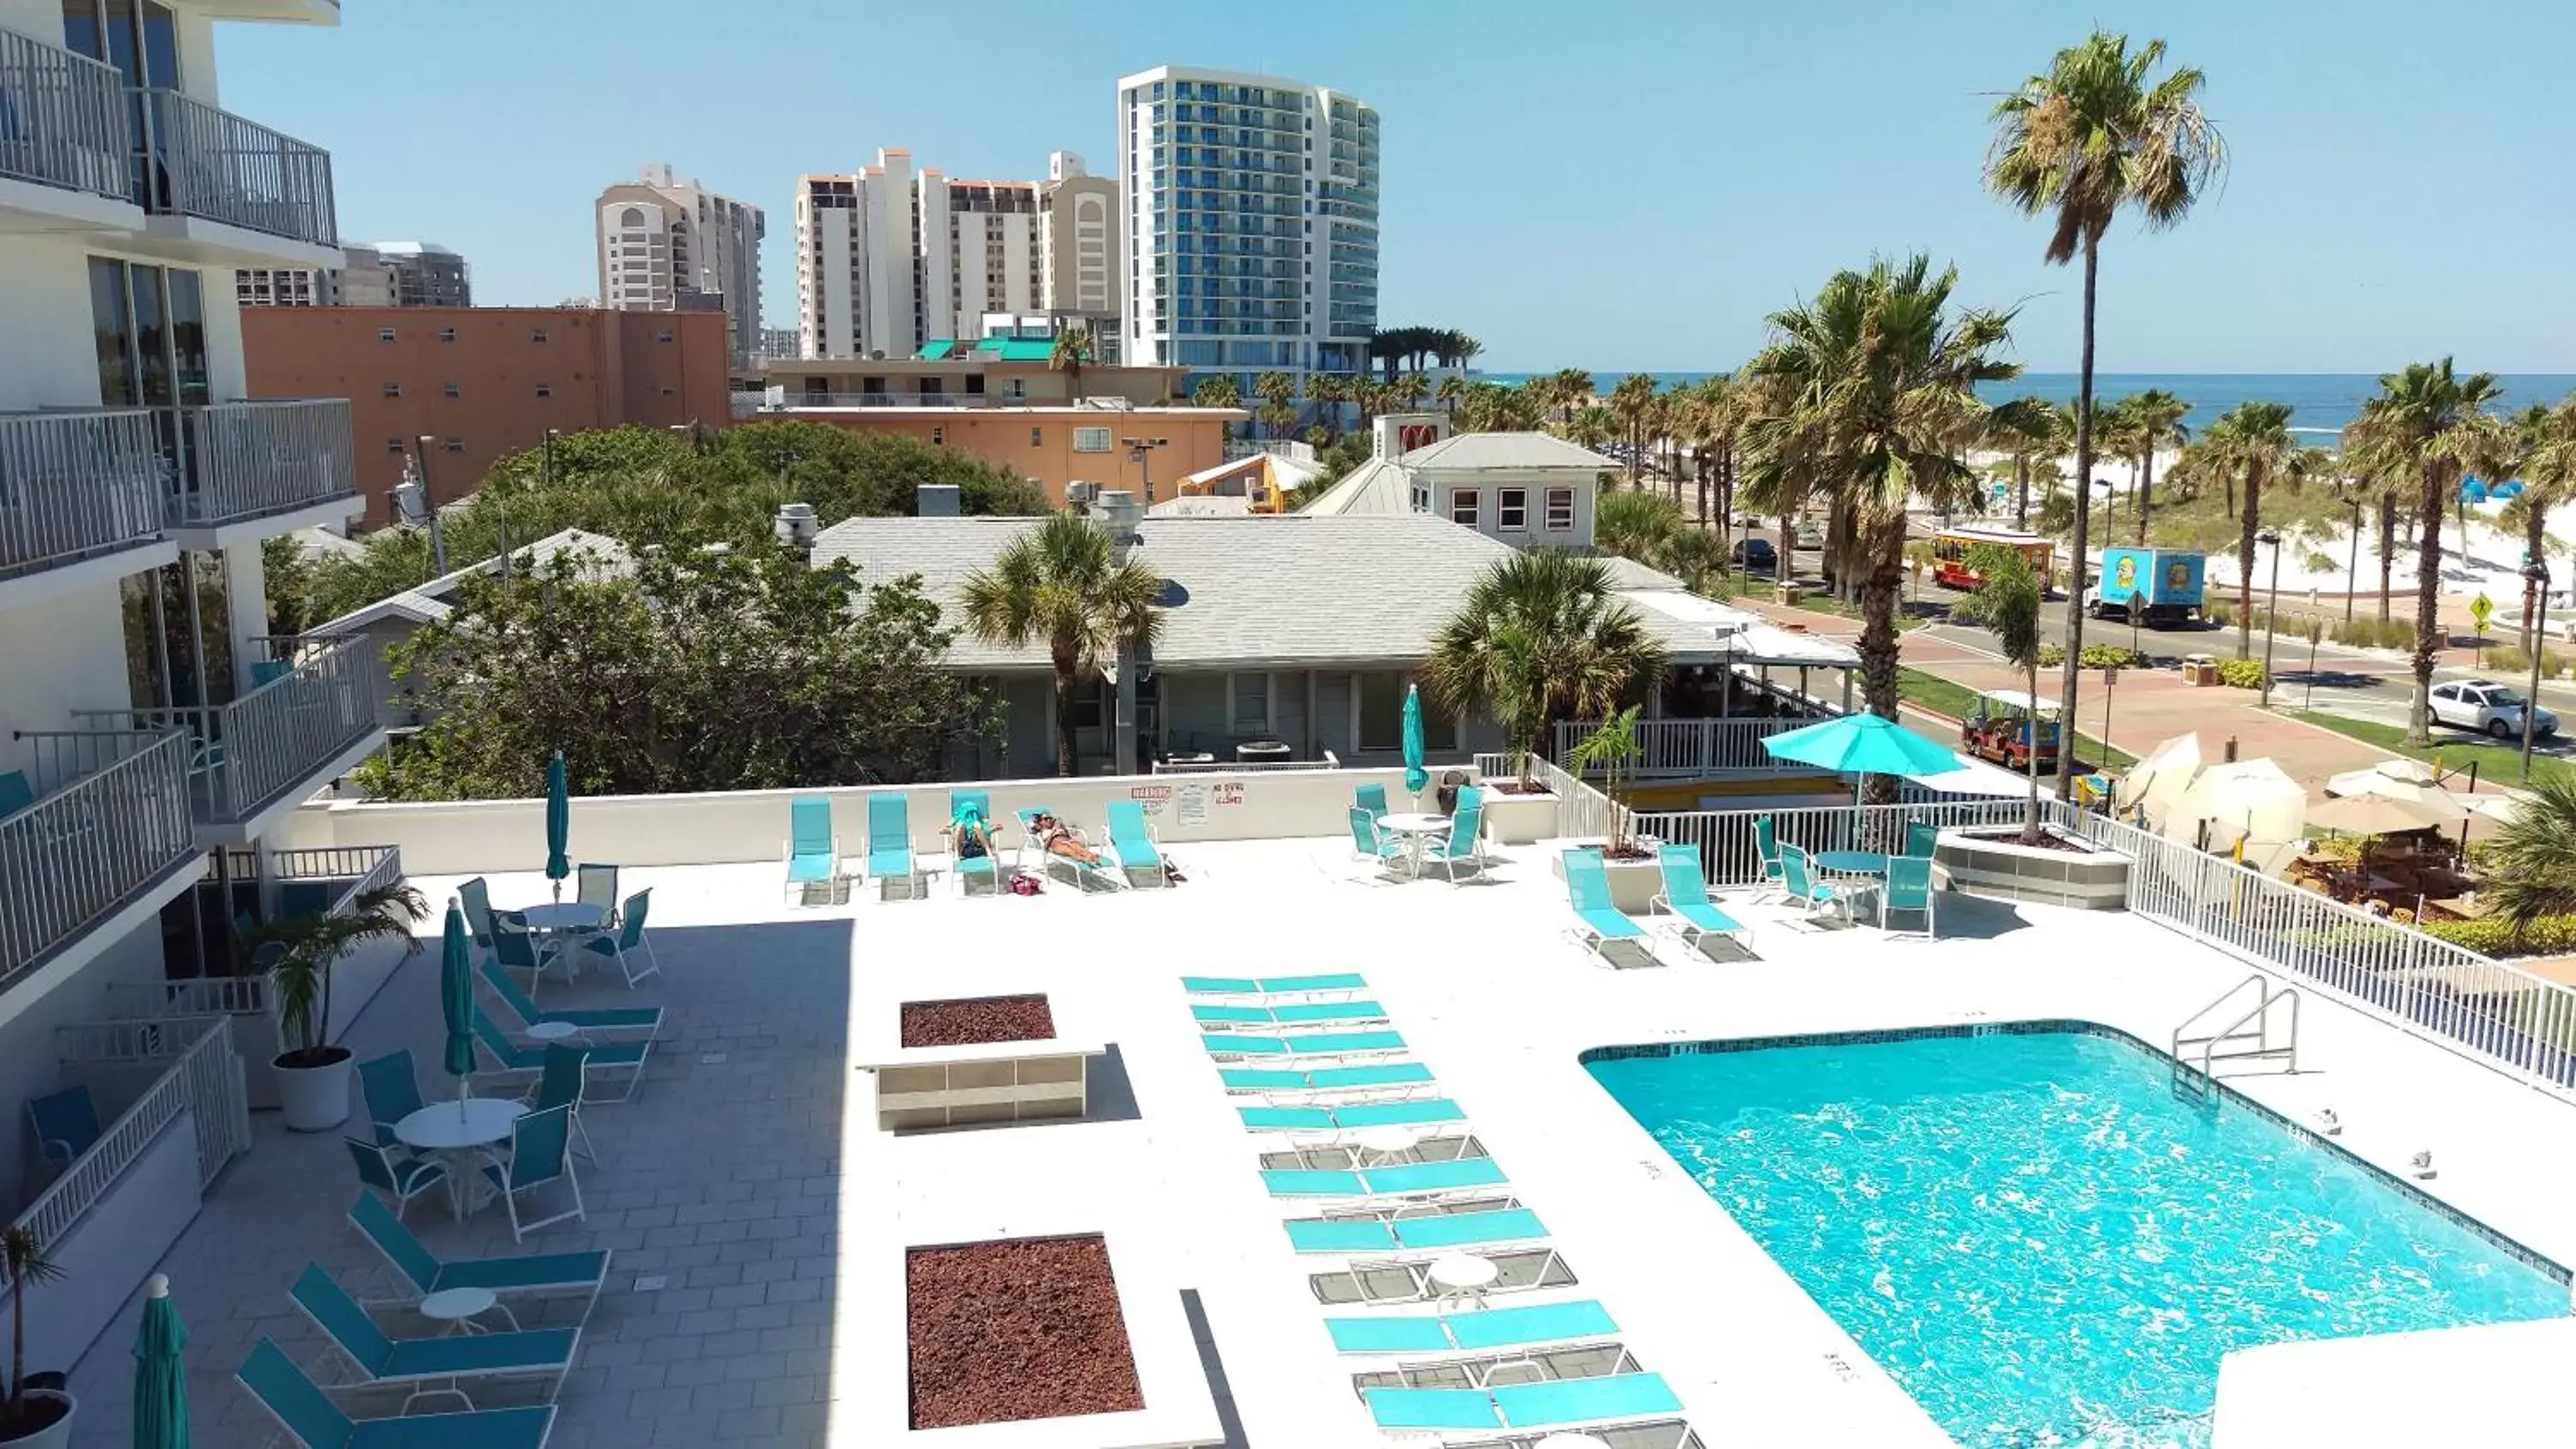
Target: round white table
455,1309
1463,1275
1415,829
546,1031
1380,1145
455,1131
564,918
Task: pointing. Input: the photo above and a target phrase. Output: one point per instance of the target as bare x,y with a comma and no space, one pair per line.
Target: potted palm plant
1613,750
299,953
30,1417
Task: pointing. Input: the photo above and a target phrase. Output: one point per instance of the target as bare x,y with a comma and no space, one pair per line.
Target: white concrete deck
750,1177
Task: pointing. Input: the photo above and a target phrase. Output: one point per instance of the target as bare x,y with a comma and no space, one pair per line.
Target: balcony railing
249,459
1686,749
62,118
76,484
246,755
900,400
212,164
113,818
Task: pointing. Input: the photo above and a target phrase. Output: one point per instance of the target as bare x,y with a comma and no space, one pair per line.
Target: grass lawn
1949,697
2450,749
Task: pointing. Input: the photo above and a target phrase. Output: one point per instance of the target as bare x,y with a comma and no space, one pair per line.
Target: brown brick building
485,381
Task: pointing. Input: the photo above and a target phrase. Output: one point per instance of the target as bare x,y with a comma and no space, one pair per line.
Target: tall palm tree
1590,428
2534,854
1632,407
1328,391
2087,140
1414,387
1063,584
1450,390
2155,417
1569,388
2254,441
1217,390
1542,637
1873,404
2538,446
2023,429
2426,421
1073,348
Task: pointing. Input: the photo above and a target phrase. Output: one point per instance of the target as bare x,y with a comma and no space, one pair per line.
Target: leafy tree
2532,861
1612,749
2155,421
1450,390
1541,637
1632,407
289,572
1490,407
2087,140
307,946
1218,390
1062,585
703,670
2007,605
2024,429
1635,524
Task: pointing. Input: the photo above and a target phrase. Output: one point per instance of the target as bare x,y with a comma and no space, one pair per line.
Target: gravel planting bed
1021,1329
977,1020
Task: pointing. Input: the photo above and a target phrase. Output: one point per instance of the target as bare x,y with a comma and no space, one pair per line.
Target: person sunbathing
974,840
1061,839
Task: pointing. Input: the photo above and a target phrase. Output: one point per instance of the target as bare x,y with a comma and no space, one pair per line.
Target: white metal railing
365,866
1730,854
250,459
2519,1023
247,753
76,483
203,1076
1582,812
2227,1041
1330,761
1688,748
114,818
210,163
63,118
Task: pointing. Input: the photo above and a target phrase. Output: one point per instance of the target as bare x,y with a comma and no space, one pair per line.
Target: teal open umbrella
1415,776
160,1377
558,824
456,998
1864,744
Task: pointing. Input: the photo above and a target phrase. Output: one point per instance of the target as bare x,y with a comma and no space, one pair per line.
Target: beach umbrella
1415,776
2253,803
2169,765
160,1375
2472,491
456,999
1864,744
2374,815
558,824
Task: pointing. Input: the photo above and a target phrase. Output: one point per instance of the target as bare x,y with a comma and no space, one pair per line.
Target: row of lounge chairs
1320,1082
1131,855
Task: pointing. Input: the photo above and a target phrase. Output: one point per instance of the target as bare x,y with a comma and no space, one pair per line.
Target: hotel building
668,245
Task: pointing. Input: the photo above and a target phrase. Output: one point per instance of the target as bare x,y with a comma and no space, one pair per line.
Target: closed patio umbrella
558,824
1415,776
456,1000
160,1375
2374,815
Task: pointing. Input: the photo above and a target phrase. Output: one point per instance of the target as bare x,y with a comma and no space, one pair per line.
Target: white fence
1689,748
73,484
1582,813
198,1072
1730,855
258,747
114,819
249,459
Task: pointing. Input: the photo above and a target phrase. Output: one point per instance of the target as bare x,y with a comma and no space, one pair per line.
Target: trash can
1263,752
2200,669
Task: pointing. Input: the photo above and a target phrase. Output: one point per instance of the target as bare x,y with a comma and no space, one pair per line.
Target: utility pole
2537,571
2271,611
429,506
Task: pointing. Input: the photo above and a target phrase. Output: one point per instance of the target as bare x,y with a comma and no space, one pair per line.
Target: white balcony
107,841
66,141
81,500
250,470
224,189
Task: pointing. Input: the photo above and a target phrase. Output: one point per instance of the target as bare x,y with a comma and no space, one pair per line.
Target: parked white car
2490,708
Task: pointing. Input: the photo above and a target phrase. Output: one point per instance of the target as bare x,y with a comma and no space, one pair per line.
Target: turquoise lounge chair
66,1124
1354,1117
314,1422
646,1019
1766,844
1685,896
810,860
890,844
1553,1404
1311,1044
1798,880
1920,838
1598,924
1478,1332
510,1056
1131,840
1048,860
988,866
1327,1079
1909,889
1342,981
532,1274
1427,1233
1458,847
1294,1013
530,1353
1403,1179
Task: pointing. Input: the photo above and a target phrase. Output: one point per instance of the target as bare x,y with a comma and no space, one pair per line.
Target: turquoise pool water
2039,1241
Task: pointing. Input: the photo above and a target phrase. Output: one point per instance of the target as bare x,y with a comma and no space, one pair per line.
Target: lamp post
2271,611
1140,451
2536,573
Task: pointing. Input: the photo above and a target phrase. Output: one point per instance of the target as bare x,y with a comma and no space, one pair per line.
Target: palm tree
2023,429
2254,440
2087,140
1218,390
2427,422
1072,349
1450,390
2548,480
2533,857
2156,419
2007,604
1590,428
1632,406
302,949
1635,524
1568,388
1413,386
2512,451
1874,405
1064,585
1328,391
1542,637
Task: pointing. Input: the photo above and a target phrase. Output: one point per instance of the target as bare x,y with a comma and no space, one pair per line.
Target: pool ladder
2246,1036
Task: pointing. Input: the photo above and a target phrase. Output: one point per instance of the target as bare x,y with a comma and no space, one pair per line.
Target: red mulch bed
1026,1328
976,1020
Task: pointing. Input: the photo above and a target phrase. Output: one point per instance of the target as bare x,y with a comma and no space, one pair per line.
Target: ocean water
2321,402
2044,1246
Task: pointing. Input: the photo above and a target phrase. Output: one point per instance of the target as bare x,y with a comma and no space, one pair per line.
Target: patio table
457,1131
1415,829
1463,1276
565,918
1852,862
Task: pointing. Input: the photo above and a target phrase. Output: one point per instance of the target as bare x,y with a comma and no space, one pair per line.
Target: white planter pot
314,1099
57,1435
1519,819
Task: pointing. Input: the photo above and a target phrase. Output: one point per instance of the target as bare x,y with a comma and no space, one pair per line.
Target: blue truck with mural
2155,586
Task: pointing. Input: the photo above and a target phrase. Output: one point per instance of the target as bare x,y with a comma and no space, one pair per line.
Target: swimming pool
2031,1233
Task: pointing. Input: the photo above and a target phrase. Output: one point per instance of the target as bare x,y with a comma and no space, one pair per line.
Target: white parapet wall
489,836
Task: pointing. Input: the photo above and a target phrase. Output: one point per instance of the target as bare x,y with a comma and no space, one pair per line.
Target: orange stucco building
1055,445
485,381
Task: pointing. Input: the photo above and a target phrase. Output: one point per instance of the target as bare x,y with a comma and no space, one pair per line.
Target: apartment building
388,274
152,734
1250,204
891,258
668,245
422,274
485,381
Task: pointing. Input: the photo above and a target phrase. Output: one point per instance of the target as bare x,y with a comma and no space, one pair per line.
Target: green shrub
2096,656
2509,659
2369,633
2547,936
2241,673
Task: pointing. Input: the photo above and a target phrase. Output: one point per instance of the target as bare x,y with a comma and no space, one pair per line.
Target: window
393,445
545,390
1037,437
1560,509
666,335
384,334
446,334
393,389
1462,507
1248,704
452,390
1511,509
1091,440
939,437
456,445
669,391
538,335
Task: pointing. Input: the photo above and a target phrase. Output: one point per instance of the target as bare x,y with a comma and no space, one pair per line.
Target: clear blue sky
1610,185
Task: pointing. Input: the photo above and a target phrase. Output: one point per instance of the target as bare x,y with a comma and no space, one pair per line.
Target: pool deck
750,1176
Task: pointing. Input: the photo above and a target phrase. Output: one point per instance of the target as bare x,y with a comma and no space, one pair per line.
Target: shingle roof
1295,591
427,603
1506,450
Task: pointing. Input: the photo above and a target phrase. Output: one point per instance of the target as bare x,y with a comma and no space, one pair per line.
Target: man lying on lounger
974,839
1061,839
